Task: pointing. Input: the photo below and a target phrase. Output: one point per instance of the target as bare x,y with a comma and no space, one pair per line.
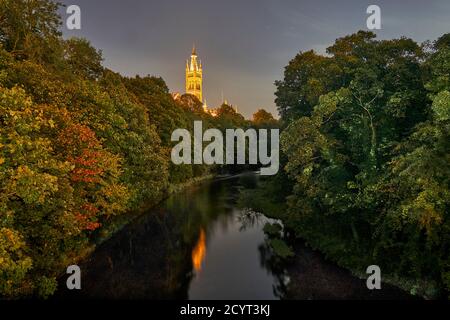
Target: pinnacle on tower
194,75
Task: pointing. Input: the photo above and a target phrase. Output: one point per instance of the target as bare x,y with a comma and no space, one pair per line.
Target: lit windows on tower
194,76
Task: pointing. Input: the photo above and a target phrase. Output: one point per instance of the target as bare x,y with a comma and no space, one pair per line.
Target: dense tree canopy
367,147
80,146
262,118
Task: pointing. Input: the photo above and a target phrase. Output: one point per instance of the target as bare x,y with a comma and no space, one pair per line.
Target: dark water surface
195,245
198,244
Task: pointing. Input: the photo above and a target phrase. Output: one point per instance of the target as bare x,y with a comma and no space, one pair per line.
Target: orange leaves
94,176
86,167
87,217
78,137
83,152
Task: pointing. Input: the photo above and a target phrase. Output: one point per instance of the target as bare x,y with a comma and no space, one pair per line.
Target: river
198,244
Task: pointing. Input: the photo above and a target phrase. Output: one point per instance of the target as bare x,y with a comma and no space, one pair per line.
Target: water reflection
161,254
199,252
249,218
232,268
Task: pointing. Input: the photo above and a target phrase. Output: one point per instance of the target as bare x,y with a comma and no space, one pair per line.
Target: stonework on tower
194,76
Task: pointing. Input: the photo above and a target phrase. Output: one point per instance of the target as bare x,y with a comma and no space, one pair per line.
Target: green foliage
269,196
281,249
79,145
306,78
29,29
227,117
83,59
58,182
14,263
263,119
369,154
273,229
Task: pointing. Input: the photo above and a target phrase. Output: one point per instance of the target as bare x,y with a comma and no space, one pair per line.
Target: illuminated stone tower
194,76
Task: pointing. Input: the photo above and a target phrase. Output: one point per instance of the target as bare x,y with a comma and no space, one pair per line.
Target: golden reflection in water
199,252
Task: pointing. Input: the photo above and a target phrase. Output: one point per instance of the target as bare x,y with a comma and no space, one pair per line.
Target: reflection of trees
152,258
249,181
196,208
192,212
275,266
250,218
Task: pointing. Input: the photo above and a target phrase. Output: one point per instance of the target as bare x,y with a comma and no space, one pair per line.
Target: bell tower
194,76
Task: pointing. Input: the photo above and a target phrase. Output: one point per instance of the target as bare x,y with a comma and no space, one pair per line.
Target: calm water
199,245
228,264
196,245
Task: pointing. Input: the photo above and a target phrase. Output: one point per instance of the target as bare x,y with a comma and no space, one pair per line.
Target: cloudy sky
244,44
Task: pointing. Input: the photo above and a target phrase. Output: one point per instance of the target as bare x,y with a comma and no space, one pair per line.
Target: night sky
244,44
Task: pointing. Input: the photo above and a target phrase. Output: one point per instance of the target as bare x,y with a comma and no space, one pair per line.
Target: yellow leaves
22,115
441,106
114,198
424,210
33,187
2,160
307,171
352,185
15,98
13,262
10,242
429,217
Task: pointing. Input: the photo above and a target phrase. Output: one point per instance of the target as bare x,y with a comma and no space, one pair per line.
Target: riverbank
180,249
125,219
122,221
312,277
324,282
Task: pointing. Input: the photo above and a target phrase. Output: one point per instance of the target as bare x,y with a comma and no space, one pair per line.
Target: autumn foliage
81,147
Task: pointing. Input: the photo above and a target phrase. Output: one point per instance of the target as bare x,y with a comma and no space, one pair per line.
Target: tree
228,118
58,183
83,59
417,212
369,154
191,103
264,118
29,29
306,78
15,264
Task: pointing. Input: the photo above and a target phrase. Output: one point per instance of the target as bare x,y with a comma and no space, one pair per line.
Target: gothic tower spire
194,76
